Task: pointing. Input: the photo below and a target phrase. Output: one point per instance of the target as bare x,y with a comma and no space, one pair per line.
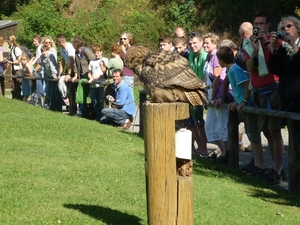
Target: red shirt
256,80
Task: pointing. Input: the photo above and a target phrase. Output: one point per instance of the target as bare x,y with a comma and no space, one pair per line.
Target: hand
289,39
232,106
91,80
254,42
73,79
273,40
218,103
240,106
110,98
67,77
31,60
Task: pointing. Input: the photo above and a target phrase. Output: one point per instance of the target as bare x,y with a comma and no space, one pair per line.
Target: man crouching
122,103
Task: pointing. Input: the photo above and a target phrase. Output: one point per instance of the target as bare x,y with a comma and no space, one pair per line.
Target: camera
255,31
281,34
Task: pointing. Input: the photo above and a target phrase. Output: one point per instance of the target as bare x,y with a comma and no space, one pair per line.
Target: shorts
268,122
251,126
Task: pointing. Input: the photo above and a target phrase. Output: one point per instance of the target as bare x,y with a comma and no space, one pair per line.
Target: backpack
26,50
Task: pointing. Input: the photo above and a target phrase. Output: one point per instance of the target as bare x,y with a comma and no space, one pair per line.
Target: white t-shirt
67,52
15,53
95,68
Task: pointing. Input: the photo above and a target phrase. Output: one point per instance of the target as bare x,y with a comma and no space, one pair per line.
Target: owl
166,76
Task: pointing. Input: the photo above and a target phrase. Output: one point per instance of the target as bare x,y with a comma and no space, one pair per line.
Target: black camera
255,31
9,59
281,34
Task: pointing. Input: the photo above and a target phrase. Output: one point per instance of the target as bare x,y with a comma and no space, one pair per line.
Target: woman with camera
284,61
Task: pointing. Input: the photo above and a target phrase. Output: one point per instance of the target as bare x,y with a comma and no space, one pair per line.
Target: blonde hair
24,56
213,38
129,36
12,39
50,38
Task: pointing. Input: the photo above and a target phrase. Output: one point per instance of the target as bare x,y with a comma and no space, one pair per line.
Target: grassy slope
56,168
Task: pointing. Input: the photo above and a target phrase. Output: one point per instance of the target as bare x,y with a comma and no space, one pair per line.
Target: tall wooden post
294,156
233,131
161,178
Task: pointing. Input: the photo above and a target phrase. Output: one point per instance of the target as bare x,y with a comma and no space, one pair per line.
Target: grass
60,169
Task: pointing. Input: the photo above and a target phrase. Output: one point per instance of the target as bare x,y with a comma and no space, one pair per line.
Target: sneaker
256,171
272,177
249,166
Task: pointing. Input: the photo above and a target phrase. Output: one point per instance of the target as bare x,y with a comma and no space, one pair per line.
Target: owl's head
134,58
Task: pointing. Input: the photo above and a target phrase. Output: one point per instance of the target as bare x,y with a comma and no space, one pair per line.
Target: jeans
97,99
116,116
130,81
53,97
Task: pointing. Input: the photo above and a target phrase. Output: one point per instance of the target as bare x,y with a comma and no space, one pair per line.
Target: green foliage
102,21
297,11
180,14
40,17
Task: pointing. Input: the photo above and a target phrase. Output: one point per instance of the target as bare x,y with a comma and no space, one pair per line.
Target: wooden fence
233,121
71,87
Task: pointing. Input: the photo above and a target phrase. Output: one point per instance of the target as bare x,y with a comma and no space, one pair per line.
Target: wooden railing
72,90
233,121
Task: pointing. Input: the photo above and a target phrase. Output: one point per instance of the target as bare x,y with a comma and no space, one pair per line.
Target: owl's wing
169,69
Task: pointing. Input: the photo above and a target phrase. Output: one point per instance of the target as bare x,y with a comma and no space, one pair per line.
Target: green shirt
197,62
114,63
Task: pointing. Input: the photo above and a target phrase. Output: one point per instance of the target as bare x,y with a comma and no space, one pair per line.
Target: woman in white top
14,60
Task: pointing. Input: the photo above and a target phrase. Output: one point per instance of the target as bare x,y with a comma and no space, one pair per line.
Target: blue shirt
237,76
124,98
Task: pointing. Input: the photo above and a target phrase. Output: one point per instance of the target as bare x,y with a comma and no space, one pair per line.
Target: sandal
256,171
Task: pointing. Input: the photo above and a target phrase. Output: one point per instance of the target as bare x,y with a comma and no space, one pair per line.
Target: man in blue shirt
122,106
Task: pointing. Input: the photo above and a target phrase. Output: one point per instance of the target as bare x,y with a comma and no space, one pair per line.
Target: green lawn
61,169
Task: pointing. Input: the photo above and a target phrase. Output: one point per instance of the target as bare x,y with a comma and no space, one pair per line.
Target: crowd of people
78,62
263,72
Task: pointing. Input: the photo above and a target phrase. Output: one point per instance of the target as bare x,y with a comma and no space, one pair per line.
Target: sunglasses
121,39
47,42
286,26
193,34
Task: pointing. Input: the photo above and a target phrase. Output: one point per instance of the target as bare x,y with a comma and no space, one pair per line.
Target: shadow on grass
106,215
259,188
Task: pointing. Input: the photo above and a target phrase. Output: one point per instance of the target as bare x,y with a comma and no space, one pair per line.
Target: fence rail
71,87
233,121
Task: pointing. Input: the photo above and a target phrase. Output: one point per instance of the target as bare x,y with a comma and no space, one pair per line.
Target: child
240,86
181,47
51,70
165,43
115,62
95,74
27,71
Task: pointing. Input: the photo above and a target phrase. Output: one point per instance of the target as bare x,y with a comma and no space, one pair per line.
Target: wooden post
233,131
294,156
161,178
143,98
